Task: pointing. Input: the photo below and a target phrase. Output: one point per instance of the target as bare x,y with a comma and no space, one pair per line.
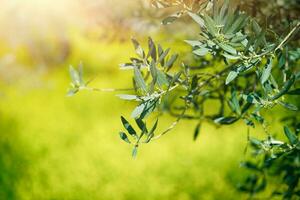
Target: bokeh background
57,147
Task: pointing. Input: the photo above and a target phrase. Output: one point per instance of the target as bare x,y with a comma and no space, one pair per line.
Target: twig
289,36
108,89
172,125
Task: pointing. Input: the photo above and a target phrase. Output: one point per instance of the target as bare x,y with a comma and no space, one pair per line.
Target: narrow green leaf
230,57
291,136
227,48
140,82
134,151
127,97
266,71
287,85
255,142
222,15
238,24
259,39
194,83
255,26
275,142
201,51
294,92
235,102
144,109
210,24
171,61
149,108
250,98
258,118
152,49
194,43
154,127
238,39
169,20
151,133
159,50
225,120
288,106
162,79
249,122
72,92
231,76
141,125
250,165
229,21
136,113
215,13
197,130
128,127
282,60
249,45
246,107
153,71
74,76
163,56
273,82
196,18
175,78
124,137
126,66
210,43
230,36
138,49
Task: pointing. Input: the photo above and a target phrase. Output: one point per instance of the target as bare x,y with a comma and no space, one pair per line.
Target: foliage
247,68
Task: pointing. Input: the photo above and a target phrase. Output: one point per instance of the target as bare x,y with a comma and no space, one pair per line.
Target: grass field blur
57,147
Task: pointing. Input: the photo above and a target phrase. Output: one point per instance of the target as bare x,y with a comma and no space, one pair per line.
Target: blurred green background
55,147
